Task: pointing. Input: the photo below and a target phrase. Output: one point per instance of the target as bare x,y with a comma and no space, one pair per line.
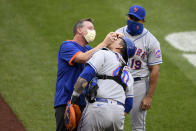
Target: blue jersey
68,72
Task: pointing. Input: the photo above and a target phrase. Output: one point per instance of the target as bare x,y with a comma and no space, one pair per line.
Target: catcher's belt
109,101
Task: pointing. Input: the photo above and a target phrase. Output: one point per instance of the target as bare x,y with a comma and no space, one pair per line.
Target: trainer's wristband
75,94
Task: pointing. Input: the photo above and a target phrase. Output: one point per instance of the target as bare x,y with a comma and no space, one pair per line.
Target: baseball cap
137,11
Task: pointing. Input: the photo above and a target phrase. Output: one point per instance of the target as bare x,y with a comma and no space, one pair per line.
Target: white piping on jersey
121,60
140,36
158,62
136,38
92,66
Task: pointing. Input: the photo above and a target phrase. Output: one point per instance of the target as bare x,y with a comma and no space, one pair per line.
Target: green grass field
32,31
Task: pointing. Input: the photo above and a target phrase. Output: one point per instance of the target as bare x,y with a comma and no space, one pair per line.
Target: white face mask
90,36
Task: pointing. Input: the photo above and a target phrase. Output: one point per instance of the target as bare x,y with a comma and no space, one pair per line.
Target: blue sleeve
68,51
88,73
88,47
128,104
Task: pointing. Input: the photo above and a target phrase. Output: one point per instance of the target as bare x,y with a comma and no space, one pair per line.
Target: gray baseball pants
138,116
100,116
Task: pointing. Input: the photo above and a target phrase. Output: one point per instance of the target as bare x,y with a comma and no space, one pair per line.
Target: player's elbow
82,61
81,58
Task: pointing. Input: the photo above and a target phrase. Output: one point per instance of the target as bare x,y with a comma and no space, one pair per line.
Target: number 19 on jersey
135,64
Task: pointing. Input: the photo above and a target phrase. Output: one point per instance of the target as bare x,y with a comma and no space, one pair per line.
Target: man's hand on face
111,37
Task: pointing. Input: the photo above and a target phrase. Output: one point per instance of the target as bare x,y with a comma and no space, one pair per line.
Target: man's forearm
109,39
154,74
79,86
84,57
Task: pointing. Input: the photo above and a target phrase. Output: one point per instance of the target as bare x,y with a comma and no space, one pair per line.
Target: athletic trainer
71,58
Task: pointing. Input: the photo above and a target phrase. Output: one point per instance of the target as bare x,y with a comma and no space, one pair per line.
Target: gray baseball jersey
106,62
148,52
100,116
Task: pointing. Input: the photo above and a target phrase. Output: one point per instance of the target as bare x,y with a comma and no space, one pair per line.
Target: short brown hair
80,24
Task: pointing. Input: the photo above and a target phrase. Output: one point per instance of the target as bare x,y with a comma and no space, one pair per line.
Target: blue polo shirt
67,72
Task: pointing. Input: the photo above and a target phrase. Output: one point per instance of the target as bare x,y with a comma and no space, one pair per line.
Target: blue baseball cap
137,11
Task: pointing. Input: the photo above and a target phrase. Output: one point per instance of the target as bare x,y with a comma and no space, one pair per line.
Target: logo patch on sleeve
158,53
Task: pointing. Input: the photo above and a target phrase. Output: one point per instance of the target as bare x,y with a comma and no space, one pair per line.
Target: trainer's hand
111,37
146,103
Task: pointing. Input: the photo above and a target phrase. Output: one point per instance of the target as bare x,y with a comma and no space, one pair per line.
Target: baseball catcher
111,100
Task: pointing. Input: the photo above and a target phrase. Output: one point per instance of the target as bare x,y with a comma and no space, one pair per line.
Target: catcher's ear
121,47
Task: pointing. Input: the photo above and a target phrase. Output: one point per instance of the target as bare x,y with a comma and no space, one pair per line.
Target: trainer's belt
109,101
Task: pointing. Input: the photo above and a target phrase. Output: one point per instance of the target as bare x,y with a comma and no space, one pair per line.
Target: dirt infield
8,120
